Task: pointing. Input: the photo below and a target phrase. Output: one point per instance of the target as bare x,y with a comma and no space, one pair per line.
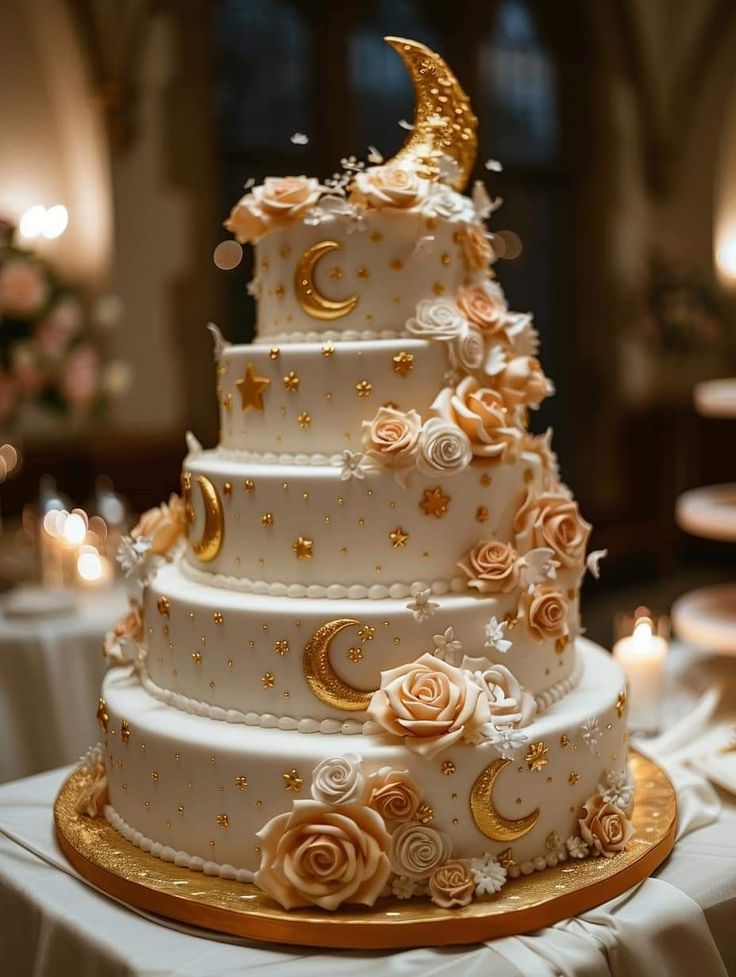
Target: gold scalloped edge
117,867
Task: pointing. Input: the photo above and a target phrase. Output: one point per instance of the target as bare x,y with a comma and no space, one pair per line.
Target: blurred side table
50,672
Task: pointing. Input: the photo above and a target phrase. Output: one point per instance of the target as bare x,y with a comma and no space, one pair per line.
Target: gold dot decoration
292,781
196,658
621,703
448,768
291,381
362,272
376,237
398,538
485,479
103,717
573,778
302,548
163,606
267,519
403,363
355,654
223,821
218,618
537,757
125,730
268,680
396,264
481,514
366,632
251,388
274,353
227,489
250,486
284,251
562,643
335,273
328,350
445,259
506,858
279,291
434,502
281,647
487,818
528,475
364,388
304,419
227,402
438,288
154,776
425,814
241,782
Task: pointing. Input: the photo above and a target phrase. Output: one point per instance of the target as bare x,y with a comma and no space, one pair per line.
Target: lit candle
642,657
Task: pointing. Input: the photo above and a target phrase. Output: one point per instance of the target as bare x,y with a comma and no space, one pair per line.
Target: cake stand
707,616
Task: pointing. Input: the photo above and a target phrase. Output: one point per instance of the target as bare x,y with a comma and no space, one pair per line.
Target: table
678,923
50,674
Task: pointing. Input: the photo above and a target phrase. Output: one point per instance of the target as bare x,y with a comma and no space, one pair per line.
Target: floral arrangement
49,353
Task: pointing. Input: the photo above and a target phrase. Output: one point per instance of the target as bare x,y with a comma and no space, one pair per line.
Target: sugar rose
511,705
481,413
339,780
429,703
522,382
246,221
164,525
418,849
451,885
484,305
604,827
121,645
443,448
553,520
492,567
546,613
437,319
393,794
392,186
469,349
392,436
477,249
324,855
287,197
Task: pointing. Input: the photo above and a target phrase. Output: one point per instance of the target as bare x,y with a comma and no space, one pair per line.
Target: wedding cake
353,666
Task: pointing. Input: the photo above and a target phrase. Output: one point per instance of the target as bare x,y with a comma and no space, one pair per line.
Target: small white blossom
554,842
577,847
404,888
136,561
495,631
447,646
488,874
593,562
421,607
353,464
508,741
495,361
522,336
299,139
590,733
538,566
374,156
92,758
493,165
617,789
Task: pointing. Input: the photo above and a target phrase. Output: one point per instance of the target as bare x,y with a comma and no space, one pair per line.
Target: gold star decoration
292,780
251,388
481,514
196,658
223,820
398,538
364,388
448,768
328,350
218,618
291,381
573,778
302,548
506,858
103,717
335,273
268,680
267,519
366,632
485,479
425,814
438,288
241,782
250,485
274,353
163,606
621,703
538,756
124,730
154,776
562,643
434,503
281,647
403,363
304,419
355,655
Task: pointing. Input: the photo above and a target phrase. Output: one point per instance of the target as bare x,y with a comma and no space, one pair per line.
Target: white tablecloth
50,674
679,923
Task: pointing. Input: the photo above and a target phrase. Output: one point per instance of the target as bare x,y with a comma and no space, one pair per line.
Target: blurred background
128,130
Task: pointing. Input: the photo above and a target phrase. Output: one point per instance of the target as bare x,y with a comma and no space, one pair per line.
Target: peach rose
429,703
392,437
451,885
492,567
522,382
541,445
164,525
24,289
484,305
246,222
121,645
511,705
324,855
604,827
546,614
552,520
393,794
482,414
287,197
477,249
418,849
392,186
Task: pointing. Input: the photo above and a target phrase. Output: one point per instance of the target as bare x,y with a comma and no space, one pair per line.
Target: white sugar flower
299,139
554,842
92,758
481,200
488,874
339,780
495,631
446,646
495,361
577,847
522,336
593,562
508,741
538,566
421,607
438,319
354,464
404,888
590,733
617,789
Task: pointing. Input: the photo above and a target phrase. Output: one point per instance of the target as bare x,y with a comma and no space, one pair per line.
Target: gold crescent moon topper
484,812
208,546
321,678
444,123
308,295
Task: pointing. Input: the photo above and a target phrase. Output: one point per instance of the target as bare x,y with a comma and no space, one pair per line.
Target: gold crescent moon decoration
208,546
309,297
444,123
484,812
320,675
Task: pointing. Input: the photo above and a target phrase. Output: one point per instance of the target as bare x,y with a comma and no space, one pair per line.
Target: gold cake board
103,857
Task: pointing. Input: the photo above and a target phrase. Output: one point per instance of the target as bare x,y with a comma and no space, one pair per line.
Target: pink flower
24,289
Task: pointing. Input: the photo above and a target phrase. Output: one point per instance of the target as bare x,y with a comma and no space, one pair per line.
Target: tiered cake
361,674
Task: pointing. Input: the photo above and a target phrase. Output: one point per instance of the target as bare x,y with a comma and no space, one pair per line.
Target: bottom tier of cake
196,791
